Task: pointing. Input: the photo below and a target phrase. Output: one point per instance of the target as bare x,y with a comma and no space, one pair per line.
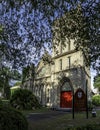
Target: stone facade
67,63
48,77
47,85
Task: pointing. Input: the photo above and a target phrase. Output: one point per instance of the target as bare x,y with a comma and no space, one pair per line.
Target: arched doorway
66,93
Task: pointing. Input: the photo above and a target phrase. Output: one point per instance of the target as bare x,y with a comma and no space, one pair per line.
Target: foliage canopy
27,28
97,82
6,75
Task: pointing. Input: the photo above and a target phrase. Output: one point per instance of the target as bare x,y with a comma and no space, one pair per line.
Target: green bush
0,102
96,100
13,89
24,99
11,119
90,105
5,102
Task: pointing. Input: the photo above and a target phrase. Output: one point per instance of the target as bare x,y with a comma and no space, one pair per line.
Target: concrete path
45,115
48,115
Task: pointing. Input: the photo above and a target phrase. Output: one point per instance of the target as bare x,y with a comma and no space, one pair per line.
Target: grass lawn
62,122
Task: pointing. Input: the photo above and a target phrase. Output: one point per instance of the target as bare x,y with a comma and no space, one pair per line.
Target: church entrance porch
66,93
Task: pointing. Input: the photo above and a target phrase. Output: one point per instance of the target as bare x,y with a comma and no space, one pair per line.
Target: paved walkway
48,115
45,115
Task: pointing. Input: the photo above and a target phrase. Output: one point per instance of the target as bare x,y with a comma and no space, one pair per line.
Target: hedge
11,119
24,99
96,100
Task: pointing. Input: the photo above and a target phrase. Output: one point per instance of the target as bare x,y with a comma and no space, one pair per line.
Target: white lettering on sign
79,94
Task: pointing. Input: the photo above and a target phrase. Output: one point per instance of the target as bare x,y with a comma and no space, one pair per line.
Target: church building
50,83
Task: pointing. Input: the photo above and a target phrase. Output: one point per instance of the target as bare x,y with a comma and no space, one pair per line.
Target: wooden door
66,99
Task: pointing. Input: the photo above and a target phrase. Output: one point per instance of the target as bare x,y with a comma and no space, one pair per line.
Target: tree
4,82
17,83
96,100
97,82
5,76
28,72
28,28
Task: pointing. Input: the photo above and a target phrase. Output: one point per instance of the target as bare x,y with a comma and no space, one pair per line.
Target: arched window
48,95
65,87
66,84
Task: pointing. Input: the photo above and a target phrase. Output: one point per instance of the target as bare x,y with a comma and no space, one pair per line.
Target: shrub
13,89
5,102
24,99
0,102
11,119
90,105
96,100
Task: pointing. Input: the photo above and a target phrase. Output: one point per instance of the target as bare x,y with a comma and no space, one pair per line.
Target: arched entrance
66,93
